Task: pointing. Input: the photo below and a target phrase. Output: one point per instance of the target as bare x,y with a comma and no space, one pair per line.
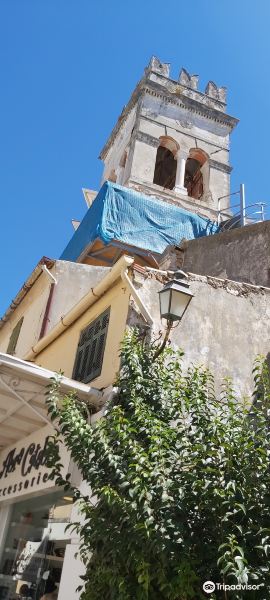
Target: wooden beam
96,252
99,258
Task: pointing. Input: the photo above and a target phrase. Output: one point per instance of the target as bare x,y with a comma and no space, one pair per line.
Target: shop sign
22,467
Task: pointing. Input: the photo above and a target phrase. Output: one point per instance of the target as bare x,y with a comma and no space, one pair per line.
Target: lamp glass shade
179,302
174,299
164,299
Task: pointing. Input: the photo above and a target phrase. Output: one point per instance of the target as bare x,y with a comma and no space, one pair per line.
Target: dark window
194,178
165,168
89,357
14,337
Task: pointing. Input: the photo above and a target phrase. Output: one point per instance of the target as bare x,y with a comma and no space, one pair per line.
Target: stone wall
241,254
225,327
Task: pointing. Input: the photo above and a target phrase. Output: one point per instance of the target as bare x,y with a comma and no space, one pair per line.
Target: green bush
180,479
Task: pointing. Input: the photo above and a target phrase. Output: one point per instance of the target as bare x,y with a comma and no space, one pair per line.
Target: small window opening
193,174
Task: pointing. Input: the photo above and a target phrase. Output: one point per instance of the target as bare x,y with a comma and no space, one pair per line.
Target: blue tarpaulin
120,214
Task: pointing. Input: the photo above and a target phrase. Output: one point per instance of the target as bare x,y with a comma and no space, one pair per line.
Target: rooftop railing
242,214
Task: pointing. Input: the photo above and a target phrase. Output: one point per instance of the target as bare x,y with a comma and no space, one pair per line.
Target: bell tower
171,141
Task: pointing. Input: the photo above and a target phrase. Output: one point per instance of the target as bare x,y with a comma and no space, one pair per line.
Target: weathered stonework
242,254
147,139
219,93
188,80
225,327
196,121
220,166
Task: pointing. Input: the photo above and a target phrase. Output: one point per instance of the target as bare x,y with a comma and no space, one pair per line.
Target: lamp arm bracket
165,339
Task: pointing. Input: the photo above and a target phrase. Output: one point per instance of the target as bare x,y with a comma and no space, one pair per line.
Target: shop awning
23,386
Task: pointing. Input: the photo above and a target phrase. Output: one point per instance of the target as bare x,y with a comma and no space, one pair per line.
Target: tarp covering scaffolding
123,215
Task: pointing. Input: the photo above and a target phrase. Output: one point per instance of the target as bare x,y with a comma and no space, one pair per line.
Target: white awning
23,386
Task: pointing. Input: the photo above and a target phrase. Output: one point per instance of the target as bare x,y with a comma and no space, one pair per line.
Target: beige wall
32,308
73,282
60,355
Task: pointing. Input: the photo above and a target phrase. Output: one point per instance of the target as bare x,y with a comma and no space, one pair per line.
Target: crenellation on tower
165,138
218,93
188,80
157,66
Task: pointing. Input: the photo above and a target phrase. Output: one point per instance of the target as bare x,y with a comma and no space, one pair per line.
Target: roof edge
26,287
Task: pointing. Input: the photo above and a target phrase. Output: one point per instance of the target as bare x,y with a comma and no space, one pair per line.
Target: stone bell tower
171,141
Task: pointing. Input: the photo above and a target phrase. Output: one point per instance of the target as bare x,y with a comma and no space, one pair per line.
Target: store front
35,545
37,553
34,515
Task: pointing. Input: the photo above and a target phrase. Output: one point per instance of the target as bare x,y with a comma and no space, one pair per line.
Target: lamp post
174,299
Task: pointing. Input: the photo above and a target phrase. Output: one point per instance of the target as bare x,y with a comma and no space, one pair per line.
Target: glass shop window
32,558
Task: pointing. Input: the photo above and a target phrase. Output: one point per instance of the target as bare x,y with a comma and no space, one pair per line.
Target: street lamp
174,298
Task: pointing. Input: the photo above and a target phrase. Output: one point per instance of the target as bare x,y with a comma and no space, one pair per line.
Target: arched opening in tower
193,174
165,168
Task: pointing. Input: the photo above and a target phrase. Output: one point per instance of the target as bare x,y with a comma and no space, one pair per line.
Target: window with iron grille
89,357
14,337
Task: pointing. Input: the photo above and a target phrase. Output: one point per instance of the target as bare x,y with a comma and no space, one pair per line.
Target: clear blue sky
67,67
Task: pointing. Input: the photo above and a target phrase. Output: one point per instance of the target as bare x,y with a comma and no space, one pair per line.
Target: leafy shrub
180,479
